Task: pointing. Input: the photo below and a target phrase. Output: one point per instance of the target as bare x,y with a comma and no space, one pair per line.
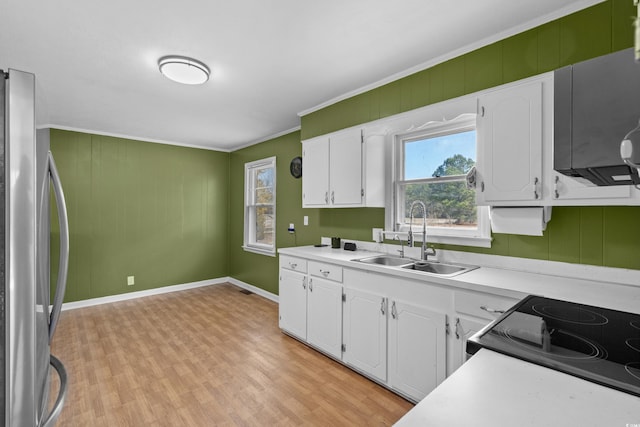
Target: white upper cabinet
315,172
343,169
515,152
510,139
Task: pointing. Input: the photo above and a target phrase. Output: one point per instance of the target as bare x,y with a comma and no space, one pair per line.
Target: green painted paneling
153,211
548,47
623,13
482,69
586,34
520,56
453,78
588,235
591,234
621,231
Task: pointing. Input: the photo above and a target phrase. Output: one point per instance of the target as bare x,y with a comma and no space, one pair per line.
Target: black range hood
596,102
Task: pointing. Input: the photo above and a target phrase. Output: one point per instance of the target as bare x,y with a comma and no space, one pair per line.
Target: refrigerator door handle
62,393
63,266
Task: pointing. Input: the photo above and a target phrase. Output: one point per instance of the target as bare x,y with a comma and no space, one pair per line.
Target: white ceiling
96,61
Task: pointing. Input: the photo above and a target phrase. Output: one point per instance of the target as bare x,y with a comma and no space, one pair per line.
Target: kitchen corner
488,378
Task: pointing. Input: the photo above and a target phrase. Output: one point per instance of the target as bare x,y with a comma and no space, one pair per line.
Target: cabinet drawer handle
293,265
325,273
491,310
382,307
394,312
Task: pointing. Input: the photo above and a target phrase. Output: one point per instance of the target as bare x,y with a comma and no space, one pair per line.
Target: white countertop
507,282
494,390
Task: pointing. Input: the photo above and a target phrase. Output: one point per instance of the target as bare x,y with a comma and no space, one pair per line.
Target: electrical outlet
131,280
305,220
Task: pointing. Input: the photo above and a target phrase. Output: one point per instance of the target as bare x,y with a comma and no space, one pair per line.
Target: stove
593,343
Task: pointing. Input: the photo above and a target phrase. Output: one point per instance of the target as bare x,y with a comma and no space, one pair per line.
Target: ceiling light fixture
184,70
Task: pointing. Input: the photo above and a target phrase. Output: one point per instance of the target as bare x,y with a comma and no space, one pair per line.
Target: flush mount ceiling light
184,70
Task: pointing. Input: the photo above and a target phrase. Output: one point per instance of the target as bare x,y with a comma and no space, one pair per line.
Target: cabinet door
417,349
324,316
464,328
293,303
345,154
510,144
315,175
365,333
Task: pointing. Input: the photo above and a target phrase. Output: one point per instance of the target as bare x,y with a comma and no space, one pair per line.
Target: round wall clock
296,167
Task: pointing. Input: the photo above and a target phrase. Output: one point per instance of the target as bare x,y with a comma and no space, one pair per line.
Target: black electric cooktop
596,344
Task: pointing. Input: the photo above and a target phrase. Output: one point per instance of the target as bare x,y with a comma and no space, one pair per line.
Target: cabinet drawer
484,306
295,264
327,271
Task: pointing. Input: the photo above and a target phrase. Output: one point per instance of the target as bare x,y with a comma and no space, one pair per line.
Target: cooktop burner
597,344
578,315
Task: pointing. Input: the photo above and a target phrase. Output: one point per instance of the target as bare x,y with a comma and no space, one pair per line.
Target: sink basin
388,260
438,268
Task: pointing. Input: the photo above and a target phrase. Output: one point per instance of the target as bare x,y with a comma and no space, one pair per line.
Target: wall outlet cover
376,235
131,280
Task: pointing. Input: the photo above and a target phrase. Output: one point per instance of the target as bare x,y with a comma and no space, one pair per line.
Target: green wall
608,236
157,212
171,215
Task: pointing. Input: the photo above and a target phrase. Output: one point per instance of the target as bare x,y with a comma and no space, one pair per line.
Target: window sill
475,241
268,252
479,242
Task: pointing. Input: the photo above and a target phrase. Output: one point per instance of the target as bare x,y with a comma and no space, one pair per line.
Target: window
431,167
260,206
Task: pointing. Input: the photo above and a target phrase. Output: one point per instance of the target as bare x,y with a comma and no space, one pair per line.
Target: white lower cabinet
417,349
293,303
310,308
405,334
365,332
324,316
402,345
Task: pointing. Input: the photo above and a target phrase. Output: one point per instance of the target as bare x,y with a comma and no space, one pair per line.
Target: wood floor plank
203,357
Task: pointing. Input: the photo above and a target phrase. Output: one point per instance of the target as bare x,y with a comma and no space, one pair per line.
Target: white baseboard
166,289
256,290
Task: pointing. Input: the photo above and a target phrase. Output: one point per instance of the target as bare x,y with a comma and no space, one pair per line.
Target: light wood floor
202,357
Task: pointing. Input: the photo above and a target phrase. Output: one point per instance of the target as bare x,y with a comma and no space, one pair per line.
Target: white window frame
250,245
479,237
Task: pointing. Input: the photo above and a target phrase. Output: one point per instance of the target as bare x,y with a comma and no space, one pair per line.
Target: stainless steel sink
388,260
433,268
439,269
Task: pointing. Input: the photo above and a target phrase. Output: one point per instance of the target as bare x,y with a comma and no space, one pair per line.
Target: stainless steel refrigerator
27,320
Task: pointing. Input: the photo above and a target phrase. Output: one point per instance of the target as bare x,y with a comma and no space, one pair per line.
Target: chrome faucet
424,251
